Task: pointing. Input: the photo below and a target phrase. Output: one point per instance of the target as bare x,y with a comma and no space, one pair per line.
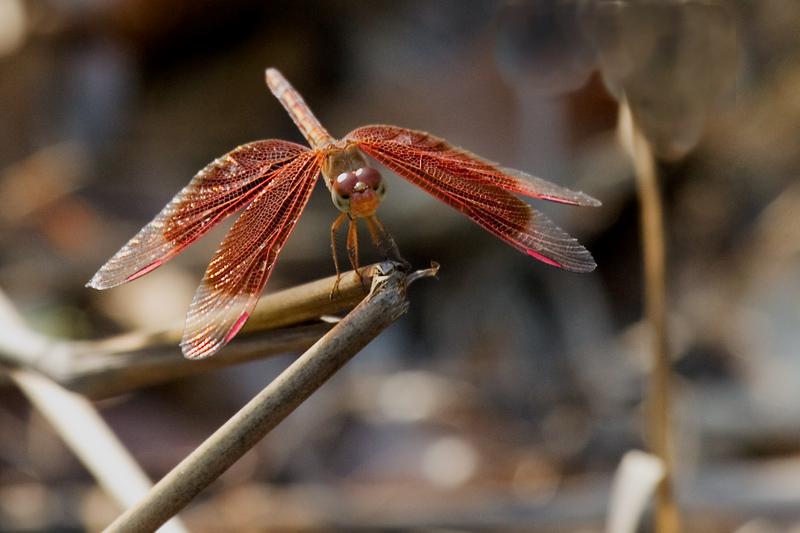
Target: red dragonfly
272,181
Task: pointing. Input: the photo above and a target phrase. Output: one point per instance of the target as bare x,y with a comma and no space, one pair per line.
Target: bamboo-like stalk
85,432
126,362
385,303
658,408
76,421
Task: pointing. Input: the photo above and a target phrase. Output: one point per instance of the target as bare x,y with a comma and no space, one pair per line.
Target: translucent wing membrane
220,189
470,166
482,191
241,267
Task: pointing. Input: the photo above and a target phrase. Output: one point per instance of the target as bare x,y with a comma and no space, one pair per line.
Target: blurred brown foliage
507,395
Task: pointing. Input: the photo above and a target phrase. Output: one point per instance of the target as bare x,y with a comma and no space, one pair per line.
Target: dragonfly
271,181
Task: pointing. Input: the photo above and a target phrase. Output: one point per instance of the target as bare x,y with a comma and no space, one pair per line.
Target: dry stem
385,303
126,362
85,432
667,518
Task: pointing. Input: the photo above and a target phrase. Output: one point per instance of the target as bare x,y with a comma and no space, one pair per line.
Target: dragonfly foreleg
352,249
334,228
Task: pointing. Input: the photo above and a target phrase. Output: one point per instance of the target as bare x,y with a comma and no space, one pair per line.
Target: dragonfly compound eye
345,184
370,177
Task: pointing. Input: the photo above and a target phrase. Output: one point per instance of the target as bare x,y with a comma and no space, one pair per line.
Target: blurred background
507,395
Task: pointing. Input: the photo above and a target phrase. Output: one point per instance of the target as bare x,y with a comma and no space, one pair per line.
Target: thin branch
88,436
78,423
659,428
385,303
103,374
122,363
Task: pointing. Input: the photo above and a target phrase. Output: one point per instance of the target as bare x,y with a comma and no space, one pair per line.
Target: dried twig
85,432
385,303
76,421
126,362
658,393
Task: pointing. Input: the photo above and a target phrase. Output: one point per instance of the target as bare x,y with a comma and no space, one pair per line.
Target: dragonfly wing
241,267
461,182
220,189
534,187
470,166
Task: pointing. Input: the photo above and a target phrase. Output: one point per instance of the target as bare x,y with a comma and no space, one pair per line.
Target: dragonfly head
358,192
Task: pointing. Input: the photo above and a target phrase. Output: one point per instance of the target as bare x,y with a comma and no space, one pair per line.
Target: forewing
469,166
220,189
241,267
462,182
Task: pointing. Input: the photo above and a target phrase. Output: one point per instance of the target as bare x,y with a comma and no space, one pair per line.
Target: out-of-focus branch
77,422
90,439
385,303
637,477
658,393
126,362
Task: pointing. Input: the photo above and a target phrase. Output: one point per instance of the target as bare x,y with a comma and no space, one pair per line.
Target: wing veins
473,166
233,283
222,187
529,231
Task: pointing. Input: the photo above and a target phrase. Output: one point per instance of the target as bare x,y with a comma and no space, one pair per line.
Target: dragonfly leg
384,241
352,250
334,228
